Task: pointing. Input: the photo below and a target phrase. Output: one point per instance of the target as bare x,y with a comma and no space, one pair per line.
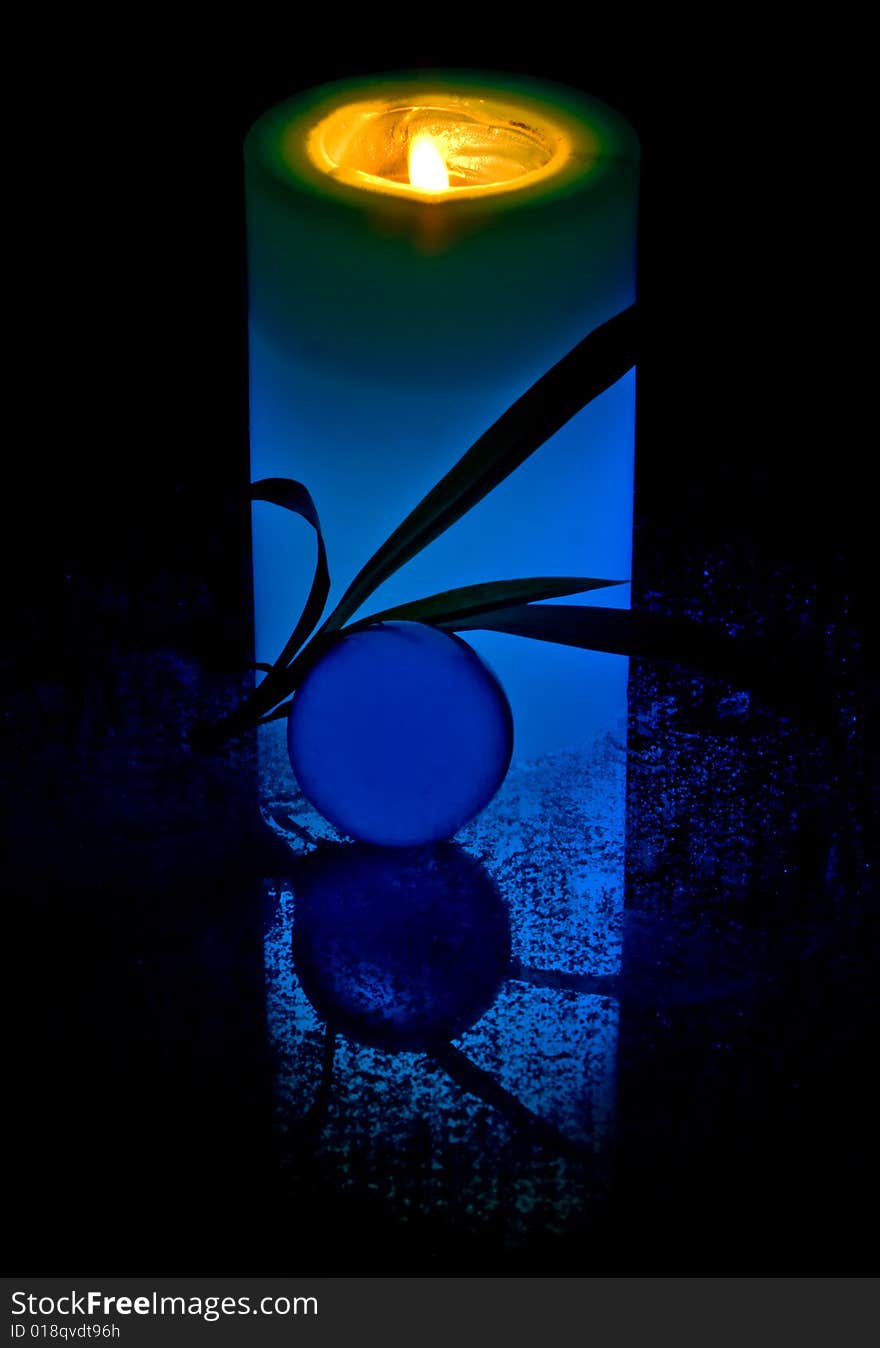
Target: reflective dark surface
739,1024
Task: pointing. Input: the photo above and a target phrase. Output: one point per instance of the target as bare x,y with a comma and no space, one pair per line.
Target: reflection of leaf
471,600
484,1085
593,366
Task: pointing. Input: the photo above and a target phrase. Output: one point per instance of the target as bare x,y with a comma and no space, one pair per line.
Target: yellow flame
427,168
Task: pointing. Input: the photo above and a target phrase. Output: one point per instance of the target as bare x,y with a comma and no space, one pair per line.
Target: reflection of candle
421,249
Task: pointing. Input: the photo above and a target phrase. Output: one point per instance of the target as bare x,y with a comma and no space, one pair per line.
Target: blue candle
421,250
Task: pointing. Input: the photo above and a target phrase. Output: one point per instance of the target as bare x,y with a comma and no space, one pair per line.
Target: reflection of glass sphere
400,735
399,948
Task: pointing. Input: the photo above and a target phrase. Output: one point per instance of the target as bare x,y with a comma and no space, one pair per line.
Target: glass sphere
400,734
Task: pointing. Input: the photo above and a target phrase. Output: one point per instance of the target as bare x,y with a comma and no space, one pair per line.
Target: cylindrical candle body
386,334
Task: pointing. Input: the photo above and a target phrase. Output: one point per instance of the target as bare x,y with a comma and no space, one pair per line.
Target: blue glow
400,734
434,1013
368,450
391,956
552,838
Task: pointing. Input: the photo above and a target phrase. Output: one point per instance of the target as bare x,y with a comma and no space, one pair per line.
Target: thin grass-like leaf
295,497
283,676
789,679
472,600
262,706
449,609
279,713
618,631
594,365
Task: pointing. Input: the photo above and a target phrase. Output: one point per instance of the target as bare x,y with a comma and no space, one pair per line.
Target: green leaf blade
282,677
470,601
787,677
296,498
596,363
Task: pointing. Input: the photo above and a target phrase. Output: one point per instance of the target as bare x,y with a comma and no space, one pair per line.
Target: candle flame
427,168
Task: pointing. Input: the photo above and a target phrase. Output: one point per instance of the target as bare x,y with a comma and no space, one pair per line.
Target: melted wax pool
400,735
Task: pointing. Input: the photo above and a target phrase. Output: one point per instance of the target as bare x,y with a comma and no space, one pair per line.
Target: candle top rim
549,138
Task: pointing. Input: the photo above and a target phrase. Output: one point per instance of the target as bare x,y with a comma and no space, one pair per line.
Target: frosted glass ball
400,734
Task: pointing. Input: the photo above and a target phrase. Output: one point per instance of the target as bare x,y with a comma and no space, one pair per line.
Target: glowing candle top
440,144
442,138
383,211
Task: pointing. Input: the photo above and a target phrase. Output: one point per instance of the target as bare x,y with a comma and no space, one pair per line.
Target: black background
138,1087
132,216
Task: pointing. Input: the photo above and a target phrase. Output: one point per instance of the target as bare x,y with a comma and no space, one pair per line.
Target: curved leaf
295,497
617,631
594,365
472,600
789,678
283,676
